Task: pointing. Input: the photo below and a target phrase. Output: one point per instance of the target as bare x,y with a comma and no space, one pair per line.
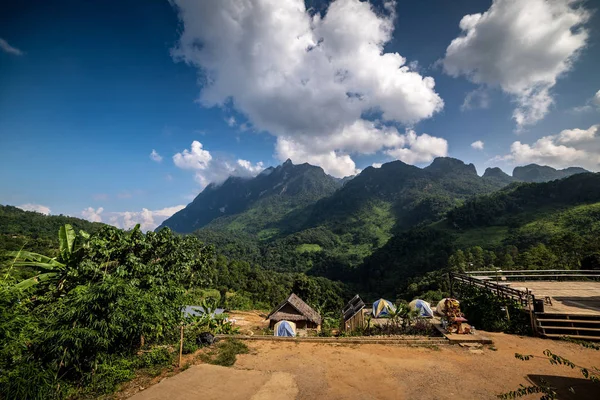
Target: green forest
85,305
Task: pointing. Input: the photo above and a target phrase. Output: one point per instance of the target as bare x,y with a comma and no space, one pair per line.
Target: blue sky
89,89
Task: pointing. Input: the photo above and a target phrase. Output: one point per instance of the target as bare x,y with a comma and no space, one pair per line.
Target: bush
487,311
156,357
225,353
110,373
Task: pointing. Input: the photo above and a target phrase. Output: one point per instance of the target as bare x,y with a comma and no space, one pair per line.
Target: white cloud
35,207
419,148
332,162
583,150
478,98
253,169
523,47
577,135
305,78
376,165
478,145
7,48
148,219
209,169
589,105
231,121
92,214
196,158
154,156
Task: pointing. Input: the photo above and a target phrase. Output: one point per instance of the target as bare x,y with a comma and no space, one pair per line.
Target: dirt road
323,371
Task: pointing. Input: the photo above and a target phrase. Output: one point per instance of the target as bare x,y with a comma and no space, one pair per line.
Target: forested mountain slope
335,233
251,205
543,173
528,225
37,231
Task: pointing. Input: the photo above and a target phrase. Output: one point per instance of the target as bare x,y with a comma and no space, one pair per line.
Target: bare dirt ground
325,371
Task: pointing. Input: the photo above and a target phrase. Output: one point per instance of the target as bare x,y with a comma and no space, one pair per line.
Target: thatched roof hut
294,309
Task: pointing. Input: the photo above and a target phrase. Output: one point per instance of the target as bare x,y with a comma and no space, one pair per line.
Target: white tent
285,328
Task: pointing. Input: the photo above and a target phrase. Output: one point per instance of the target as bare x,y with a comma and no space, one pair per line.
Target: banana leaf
66,238
27,256
27,283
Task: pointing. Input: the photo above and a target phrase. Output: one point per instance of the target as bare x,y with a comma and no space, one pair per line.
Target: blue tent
285,328
422,306
382,308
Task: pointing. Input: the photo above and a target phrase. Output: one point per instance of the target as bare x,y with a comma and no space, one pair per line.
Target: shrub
155,357
225,353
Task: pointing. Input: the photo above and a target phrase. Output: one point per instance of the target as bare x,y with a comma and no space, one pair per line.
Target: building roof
306,312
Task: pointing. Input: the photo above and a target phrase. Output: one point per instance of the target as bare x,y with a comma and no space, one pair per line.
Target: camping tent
382,308
422,306
441,305
285,328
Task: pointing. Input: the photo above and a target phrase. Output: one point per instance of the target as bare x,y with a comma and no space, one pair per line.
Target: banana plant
51,269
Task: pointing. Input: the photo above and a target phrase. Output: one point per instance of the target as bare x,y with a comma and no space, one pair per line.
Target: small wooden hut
296,310
353,316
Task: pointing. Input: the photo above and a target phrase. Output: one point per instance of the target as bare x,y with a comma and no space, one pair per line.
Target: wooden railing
499,289
536,274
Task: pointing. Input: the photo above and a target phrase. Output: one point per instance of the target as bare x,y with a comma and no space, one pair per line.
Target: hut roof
306,312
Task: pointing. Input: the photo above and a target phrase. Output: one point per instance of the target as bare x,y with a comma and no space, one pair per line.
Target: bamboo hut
296,310
353,316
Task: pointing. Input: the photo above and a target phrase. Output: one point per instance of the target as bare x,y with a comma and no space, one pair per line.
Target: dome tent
422,306
285,328
382,308
441,305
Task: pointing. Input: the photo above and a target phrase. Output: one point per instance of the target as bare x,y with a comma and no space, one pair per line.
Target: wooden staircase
576,326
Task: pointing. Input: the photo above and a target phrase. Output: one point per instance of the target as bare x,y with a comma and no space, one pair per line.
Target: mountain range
290,198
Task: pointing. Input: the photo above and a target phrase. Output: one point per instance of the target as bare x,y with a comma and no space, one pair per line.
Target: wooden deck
567,297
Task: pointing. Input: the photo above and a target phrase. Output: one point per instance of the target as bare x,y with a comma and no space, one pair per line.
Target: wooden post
181,347
533,328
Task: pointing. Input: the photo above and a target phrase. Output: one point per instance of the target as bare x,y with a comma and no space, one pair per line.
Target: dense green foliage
110,291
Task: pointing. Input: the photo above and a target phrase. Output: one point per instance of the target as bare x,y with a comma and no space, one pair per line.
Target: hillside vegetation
36,231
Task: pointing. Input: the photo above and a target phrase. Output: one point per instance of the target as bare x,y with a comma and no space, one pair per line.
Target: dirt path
314,371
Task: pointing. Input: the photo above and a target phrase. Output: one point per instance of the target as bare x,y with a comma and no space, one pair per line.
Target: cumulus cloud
478,145
148,219
571,147
35,207
7,48
209,169
92,214
419,148
305,78
523,47
376,165
154,156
